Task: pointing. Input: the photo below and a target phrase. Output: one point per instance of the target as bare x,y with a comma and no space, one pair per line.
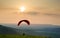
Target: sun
22,9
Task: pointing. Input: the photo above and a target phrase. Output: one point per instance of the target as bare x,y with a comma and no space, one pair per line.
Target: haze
37,11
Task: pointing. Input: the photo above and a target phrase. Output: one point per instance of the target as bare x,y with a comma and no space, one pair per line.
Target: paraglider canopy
23,21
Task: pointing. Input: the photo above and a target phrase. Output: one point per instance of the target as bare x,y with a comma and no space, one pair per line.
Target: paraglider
23,21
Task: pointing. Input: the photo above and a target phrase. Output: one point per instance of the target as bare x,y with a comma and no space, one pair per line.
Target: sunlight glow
22,9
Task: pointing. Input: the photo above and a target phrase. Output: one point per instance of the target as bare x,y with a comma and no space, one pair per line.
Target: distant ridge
7,30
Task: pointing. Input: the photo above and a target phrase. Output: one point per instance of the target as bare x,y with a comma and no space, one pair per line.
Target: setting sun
22,8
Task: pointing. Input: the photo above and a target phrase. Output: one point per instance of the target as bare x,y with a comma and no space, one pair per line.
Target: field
21,36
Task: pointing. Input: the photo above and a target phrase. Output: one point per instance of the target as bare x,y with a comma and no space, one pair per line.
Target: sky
37,11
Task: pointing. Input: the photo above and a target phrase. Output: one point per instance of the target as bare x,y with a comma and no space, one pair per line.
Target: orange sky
37,11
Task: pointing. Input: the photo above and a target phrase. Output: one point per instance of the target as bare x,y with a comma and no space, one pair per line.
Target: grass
21,36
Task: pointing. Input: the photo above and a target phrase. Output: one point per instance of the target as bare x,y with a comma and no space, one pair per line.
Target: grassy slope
21,36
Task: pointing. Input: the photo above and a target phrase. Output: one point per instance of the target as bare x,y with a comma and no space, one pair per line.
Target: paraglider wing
23,21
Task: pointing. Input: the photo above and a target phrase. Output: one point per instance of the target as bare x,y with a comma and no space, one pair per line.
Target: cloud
33,13
50,14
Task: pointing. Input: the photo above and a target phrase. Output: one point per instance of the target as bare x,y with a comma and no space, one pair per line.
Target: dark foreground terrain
32,31
21,36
